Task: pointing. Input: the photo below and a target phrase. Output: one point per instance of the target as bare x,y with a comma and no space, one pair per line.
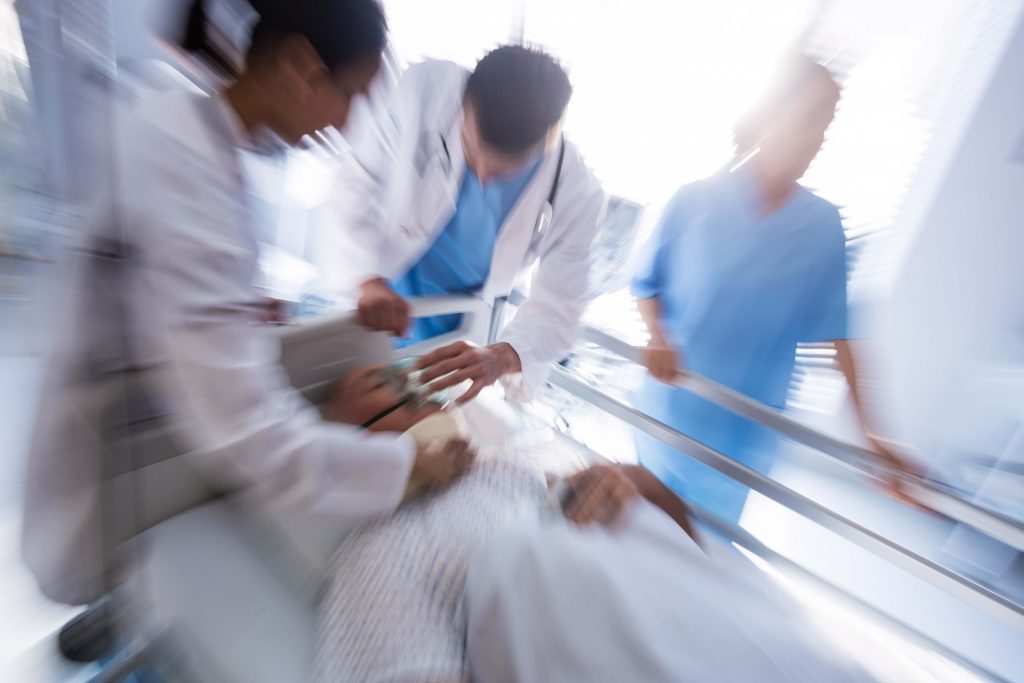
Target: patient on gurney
619,591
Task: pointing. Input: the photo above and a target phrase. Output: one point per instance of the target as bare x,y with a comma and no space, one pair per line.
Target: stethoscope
444,156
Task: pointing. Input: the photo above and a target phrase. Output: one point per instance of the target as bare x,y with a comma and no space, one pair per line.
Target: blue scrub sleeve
650,260
827,309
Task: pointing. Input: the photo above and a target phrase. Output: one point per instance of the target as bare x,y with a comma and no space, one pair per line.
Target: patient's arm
601,492
657,493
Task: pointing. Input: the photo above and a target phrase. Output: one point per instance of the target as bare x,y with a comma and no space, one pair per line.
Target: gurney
245,621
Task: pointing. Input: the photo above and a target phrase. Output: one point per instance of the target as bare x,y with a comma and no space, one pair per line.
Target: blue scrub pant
743,441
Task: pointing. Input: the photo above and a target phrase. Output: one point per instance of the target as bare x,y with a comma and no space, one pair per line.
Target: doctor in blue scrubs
467,186
460,259
743,266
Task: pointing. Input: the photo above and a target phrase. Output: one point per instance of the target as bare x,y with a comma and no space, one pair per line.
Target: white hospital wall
959,296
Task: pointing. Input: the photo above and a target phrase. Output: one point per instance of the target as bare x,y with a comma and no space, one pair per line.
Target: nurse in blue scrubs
743,266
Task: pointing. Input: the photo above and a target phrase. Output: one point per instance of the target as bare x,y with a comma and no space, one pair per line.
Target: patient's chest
500,488
392,609
430,538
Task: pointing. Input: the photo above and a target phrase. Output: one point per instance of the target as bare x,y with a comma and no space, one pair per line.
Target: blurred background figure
165,389
742,267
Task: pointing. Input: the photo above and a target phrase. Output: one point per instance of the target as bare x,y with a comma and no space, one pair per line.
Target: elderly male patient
395,608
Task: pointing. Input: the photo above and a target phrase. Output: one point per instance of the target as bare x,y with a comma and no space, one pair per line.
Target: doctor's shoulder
578,180
435,85
149,129
142,132
165,160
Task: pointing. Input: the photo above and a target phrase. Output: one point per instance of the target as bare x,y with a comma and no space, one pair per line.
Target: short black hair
518,93
342,32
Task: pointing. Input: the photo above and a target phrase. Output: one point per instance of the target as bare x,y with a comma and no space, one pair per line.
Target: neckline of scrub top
497,192
745,182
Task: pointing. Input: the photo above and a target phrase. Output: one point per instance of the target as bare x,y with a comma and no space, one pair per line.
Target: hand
380,308
275,312
662,361
601,494
891,482
453,364
438,464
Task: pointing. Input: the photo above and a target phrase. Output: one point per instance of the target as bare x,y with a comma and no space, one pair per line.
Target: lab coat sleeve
826,316
545,326
359,204
254,431
356,209
246,427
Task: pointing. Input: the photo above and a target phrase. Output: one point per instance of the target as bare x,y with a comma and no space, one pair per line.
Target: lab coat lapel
517,233
436,199
445,208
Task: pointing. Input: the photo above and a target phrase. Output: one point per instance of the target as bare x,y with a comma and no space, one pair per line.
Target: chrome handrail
988,522
975,594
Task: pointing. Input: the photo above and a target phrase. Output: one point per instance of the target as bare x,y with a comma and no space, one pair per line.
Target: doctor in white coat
465,185
165,323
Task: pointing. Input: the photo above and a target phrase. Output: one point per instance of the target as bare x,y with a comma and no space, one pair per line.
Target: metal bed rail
988,522
973,593
931,496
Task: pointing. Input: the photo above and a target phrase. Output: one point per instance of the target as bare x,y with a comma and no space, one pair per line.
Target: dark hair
341,32
796,72
517,93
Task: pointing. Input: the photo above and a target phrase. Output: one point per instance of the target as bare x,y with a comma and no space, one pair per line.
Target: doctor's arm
358,206
243,425
545,326
250,430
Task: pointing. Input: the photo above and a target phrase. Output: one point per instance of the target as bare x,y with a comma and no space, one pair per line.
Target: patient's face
365,393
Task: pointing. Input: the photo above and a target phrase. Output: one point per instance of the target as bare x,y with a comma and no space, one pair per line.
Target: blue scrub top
459,260
737,290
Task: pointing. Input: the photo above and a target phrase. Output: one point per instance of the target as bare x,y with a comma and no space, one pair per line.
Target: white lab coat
398,189
178,197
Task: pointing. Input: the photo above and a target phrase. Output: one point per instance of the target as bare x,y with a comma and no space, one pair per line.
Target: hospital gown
738,291
393,608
